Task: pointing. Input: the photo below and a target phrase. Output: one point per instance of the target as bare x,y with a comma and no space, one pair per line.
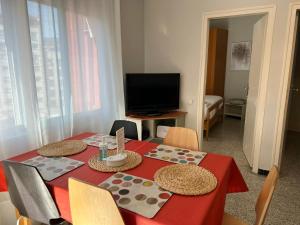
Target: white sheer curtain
60,70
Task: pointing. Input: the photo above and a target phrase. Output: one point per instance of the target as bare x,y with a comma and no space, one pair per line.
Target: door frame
269,11
285,82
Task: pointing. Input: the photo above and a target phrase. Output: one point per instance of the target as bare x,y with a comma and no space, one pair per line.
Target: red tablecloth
179,210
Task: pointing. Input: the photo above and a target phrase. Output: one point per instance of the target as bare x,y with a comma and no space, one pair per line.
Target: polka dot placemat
96,140
62,148
51,168
176,155
186,179
136,194
133,160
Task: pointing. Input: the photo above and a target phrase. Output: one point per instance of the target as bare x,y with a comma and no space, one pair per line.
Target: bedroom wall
172,42
239,29
132,34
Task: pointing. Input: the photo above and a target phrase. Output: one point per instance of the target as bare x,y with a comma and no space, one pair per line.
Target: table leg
152,128
180,121
23,220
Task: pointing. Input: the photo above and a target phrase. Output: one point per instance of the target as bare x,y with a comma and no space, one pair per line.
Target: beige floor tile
226,138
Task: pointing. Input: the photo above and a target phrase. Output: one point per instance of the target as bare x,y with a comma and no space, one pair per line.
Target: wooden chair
182,137
92,205
262,203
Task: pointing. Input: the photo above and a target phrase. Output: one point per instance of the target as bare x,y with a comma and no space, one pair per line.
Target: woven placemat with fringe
186,179
133,160
62,148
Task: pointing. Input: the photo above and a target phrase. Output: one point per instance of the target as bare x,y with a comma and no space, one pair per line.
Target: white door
258,38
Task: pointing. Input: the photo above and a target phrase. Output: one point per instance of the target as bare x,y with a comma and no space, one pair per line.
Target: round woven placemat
62,148
185,179
133,160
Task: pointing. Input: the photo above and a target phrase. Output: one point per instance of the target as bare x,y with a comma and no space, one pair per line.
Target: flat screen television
151,93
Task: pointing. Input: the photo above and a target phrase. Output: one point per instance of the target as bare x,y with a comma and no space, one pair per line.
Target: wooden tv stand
151,121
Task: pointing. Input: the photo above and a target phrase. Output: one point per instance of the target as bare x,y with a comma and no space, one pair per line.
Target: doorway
258,106
233,75
290,160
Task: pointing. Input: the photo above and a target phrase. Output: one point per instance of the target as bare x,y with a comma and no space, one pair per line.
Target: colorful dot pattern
96,140
136,194
51,168
176,155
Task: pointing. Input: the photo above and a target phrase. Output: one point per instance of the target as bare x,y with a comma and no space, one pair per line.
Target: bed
213,112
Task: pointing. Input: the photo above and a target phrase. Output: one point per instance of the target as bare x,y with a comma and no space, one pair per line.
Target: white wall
172,42
132,34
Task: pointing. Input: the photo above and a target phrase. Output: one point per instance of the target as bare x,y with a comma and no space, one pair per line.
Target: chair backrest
29,193
130,128
265,196
182,137
92,205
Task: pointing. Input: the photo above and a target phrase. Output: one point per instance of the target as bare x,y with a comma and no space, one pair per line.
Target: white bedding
209,101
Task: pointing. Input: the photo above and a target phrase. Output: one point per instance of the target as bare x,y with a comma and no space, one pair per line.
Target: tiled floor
7,211
226,138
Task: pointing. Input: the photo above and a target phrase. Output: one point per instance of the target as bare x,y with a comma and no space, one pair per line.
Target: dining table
205,209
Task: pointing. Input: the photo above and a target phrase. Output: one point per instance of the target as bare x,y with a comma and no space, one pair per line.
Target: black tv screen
151,93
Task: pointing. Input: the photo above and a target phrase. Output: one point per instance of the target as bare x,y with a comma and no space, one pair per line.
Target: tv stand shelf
152,121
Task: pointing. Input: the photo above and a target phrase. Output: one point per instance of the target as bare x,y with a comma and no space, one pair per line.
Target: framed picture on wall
240,55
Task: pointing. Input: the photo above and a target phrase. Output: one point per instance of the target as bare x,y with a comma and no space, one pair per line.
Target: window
83,63
76,73
10,111
46,54
64,61
50,73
